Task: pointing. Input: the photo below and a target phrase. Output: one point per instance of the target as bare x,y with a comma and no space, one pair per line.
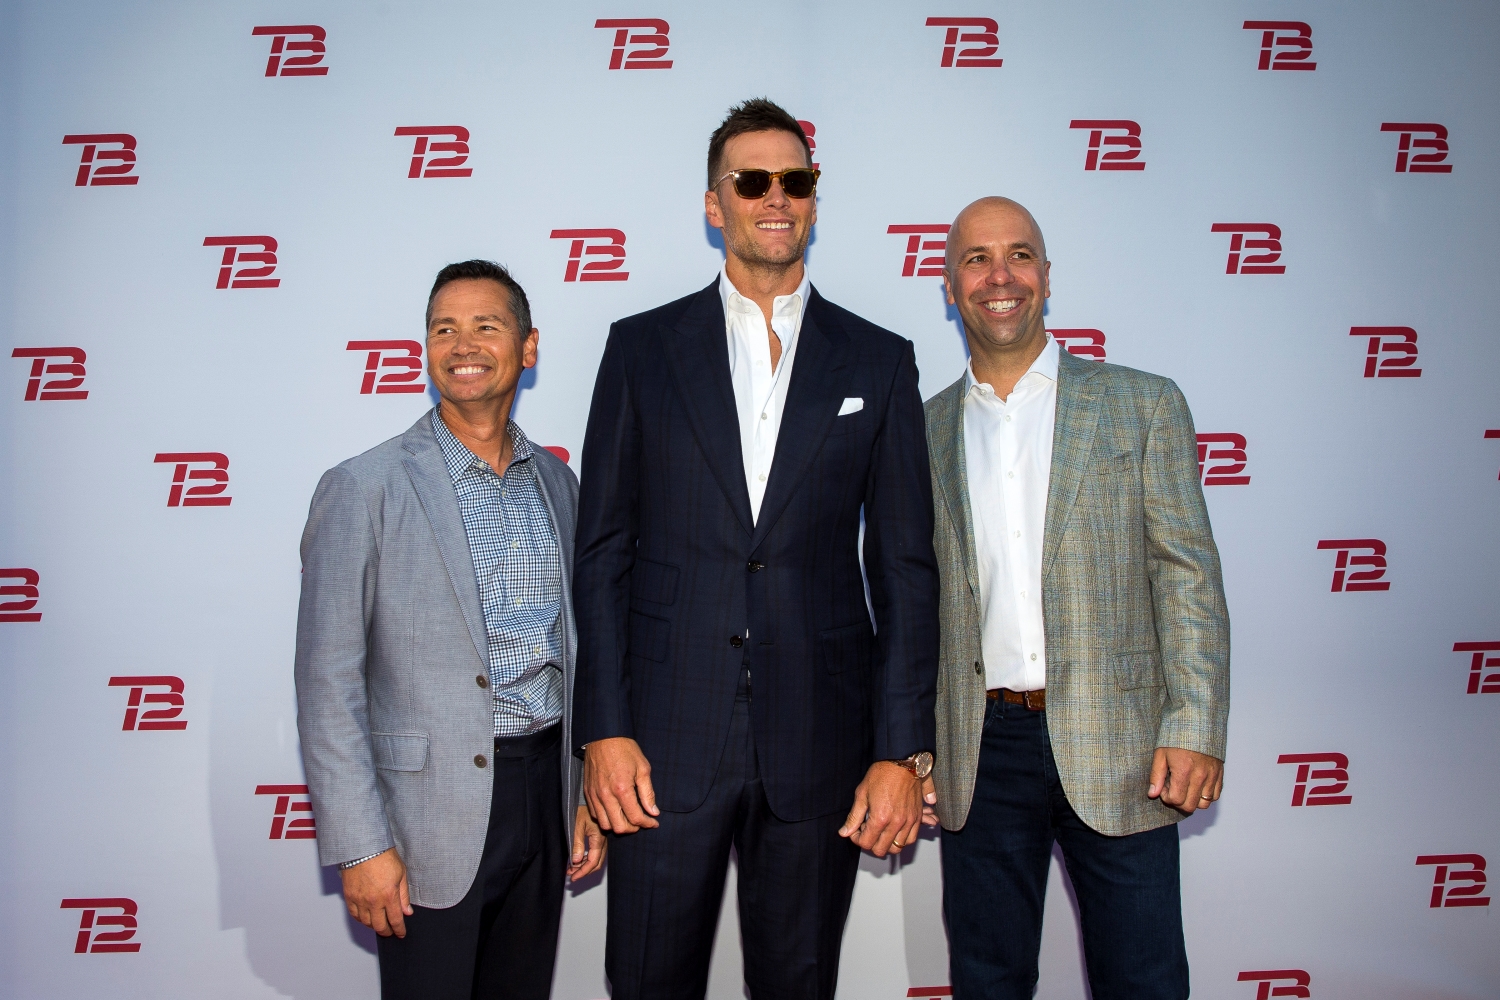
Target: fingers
395,918
405,896
593,861
617,785
856,817
1158,774
645,792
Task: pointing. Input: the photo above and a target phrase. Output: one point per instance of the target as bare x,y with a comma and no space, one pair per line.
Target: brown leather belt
1034,700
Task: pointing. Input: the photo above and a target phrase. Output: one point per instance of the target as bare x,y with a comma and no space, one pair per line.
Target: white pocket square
852,404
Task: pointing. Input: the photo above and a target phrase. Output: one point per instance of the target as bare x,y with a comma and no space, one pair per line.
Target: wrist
918,765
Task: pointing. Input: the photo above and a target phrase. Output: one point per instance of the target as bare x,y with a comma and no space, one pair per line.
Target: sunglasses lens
798,183
752,183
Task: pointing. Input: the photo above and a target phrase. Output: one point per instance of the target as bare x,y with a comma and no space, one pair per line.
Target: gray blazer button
977,668
479,760
482,681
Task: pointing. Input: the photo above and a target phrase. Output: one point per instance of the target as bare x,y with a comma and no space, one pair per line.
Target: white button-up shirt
1008,458
760,390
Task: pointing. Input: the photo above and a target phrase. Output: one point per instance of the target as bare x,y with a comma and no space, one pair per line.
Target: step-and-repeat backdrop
220,225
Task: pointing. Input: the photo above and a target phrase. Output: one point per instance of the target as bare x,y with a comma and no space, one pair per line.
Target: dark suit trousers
500,940
666,886
995,880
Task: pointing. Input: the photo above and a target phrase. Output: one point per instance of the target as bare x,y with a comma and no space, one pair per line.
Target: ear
712,210
1047,280
948,288
528,348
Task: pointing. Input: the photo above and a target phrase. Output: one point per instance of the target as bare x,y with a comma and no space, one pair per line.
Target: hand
1185,780
929,802
617,785
887,809
375,892
588,846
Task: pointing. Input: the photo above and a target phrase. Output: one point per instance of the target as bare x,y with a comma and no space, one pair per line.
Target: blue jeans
995,880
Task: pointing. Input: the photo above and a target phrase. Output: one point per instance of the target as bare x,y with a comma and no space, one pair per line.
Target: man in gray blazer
1083,695
435,656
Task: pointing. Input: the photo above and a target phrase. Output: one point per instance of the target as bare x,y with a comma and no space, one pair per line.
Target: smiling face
769,232
476,350
996,274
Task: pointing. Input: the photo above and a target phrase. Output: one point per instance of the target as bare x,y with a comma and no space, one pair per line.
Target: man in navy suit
732,689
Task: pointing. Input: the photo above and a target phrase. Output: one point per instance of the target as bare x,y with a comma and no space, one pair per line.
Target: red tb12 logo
1295,48
206,495
139,717
438,166
612,252
1430,162
1124,158
22,596
1468,894
92,939
71,370
1298,982
285,823
917,243
1363,579
91,173
1081,343
407,362
1259,263
810,130
1336,774
983,42
1480,682
1400,342
232,275
930,991
282,62
652,37
1228,450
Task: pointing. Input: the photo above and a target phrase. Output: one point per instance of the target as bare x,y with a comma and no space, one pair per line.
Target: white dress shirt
1008,458
759,390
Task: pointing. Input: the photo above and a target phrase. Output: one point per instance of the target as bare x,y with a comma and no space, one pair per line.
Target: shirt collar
734,302
459,459
1045,365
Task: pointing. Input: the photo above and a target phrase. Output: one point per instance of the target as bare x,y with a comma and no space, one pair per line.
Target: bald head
961,235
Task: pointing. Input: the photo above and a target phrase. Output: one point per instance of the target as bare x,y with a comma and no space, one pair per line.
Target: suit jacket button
482,681
977,668
736,641
755,566
479,760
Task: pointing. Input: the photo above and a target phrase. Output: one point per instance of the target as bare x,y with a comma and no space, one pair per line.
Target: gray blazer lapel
434,487
950,470
1072,440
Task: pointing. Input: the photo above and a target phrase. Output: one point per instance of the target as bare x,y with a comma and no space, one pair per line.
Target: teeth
469,370
1002,305
773,225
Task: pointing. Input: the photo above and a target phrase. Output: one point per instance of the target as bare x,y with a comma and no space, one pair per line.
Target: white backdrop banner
220,225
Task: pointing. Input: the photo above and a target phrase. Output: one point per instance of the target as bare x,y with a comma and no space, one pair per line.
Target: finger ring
897,844
1204,798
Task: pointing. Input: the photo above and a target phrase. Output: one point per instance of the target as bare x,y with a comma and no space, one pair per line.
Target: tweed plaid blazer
1132,597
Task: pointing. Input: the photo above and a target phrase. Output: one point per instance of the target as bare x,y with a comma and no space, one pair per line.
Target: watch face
924,764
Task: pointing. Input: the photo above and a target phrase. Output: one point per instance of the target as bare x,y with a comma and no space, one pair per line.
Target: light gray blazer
1132,597
390,646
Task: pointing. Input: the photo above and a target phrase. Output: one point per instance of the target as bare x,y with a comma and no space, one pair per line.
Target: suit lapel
951,470
1072,440
429,477
819,378
698,356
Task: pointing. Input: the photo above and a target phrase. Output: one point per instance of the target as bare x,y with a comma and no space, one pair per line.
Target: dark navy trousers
995,880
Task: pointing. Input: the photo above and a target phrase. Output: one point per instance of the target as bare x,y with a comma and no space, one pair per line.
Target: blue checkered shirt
518,565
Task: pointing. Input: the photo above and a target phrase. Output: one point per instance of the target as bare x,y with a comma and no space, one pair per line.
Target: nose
777,194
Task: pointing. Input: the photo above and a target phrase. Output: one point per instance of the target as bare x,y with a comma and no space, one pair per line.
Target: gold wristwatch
919,764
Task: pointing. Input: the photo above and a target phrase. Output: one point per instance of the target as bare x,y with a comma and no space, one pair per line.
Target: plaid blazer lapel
1072,440
950,474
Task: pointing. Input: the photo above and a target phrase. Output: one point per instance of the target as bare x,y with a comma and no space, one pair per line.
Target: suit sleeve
1187,586
902,572
339,568
608,525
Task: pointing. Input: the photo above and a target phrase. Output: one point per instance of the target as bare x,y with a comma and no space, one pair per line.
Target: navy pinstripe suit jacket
670,565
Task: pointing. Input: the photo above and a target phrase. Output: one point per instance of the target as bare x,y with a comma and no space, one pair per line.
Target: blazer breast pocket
399,751
653,582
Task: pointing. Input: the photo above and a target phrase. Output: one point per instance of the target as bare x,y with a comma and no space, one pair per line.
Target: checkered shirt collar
459,459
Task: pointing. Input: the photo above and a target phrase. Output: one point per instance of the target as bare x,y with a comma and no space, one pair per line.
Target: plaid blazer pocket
1134,671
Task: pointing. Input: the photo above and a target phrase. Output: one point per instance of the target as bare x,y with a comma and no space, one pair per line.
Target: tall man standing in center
732,689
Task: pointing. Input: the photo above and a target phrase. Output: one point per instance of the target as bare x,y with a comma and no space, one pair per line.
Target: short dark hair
755,115
489,271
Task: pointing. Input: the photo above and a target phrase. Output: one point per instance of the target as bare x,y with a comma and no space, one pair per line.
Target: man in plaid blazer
1083,693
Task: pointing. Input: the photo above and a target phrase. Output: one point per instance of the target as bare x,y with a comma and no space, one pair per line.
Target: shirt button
761,477
536,650
1018,534
763,417
482,681
515,545
1007,418
479,760
1010,475
1033,656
